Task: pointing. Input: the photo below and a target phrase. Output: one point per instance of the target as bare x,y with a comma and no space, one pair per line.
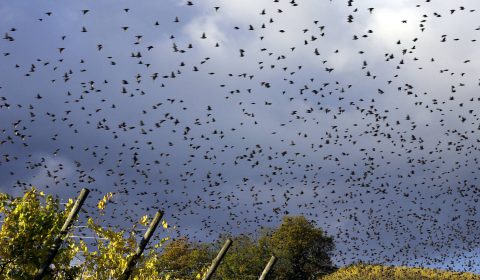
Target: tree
243,260
113,248
184,259
303,251
30,225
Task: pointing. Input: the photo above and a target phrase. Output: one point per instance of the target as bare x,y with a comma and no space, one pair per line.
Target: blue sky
230,117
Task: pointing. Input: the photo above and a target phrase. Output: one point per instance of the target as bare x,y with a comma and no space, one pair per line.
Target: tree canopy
185,259
28,230
31,223
303,250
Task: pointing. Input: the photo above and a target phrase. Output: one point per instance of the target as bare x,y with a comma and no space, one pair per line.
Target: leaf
144,220
101,204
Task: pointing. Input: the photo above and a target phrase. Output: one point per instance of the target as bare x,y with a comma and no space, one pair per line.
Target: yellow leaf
101,205
144,220
164,224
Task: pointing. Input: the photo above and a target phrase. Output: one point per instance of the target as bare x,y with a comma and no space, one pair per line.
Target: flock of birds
229,122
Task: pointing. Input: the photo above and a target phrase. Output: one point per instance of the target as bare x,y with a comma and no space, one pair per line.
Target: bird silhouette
359,118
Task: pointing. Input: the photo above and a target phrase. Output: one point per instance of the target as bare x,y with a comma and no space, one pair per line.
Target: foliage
184,259
303,251
379,272
243,260
113,249
103,202
30,225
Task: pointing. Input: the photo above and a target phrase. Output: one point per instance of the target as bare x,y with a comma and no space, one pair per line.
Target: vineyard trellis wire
63,233
68,224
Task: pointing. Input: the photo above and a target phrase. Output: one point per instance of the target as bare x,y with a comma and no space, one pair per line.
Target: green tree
113,248
184,259
108,259
30,225
243,260
303,251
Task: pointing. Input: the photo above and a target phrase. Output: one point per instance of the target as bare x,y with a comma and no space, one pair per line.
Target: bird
373,137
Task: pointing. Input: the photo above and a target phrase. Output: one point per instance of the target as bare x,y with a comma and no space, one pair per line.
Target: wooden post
218,259
269,266
61,236
143,243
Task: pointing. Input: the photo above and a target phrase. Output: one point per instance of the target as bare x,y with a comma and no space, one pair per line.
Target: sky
360,115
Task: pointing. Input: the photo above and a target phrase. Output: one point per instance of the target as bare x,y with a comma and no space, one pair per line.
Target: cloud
53,170
243,129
